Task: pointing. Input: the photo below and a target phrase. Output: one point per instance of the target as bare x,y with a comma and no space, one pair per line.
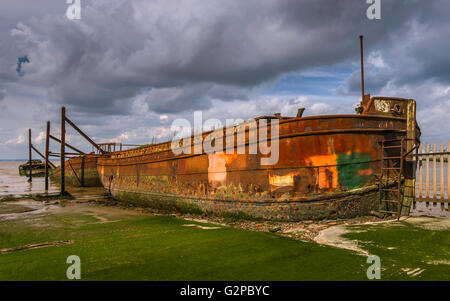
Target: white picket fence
433,179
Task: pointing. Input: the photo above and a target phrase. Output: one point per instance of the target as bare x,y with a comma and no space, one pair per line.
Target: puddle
202,227
198,220
436,209
413,272
37,246
34,207
430,223
333,237
439,262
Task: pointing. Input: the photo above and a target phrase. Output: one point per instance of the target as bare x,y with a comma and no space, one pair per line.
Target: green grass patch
161,248
406,246
138,247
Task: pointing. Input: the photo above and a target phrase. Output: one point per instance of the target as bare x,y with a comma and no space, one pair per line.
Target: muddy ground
96,203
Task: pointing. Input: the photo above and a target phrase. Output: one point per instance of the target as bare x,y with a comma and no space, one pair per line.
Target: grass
139,247
161,248
405,246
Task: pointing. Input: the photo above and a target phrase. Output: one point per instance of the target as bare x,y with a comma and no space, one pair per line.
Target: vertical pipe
63,148
47,145
362,66
434,172
30,165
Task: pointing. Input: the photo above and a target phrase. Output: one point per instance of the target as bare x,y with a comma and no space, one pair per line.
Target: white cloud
19,140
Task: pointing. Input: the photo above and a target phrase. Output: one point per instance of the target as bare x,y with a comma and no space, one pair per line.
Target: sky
128,68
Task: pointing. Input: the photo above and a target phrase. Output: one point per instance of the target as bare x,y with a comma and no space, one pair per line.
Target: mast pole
362,66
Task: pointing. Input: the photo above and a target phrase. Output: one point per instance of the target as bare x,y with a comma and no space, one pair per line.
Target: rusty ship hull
327,168
80,171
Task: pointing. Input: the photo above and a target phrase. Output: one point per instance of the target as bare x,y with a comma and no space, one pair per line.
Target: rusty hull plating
327,168
79,171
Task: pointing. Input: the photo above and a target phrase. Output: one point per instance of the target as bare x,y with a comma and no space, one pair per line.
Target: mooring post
47,142
82,171
30,157
63,147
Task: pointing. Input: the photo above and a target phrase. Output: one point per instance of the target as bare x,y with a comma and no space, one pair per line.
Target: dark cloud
119,48
21,60
412,53
126,62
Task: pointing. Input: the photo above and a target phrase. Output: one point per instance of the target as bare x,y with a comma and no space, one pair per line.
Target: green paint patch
349,168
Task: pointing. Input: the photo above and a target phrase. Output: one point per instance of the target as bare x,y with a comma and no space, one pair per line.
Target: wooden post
63,149
427,171
419,162
448,171
434,172
82,171
441,172
47,145
30,164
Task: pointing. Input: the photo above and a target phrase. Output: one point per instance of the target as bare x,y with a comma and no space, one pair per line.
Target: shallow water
13,184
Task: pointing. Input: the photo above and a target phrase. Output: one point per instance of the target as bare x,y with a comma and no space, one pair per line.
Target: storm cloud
120,48
137,60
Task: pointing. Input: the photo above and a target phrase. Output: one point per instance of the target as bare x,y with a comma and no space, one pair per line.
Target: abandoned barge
37,168
80,171
329,167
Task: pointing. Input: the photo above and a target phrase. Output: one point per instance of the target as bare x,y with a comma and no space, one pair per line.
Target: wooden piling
63,148
448,170
30,179
83,160
434,173
427,172
420,165
441,171
47,145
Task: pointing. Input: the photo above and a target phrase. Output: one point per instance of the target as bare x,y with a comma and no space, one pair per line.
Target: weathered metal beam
30,179
68,145
76,176
84,135
75,155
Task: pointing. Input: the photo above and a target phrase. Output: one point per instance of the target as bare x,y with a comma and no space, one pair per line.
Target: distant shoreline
19,160
6,160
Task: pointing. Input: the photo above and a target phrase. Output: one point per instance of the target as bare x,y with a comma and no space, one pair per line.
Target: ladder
390,192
